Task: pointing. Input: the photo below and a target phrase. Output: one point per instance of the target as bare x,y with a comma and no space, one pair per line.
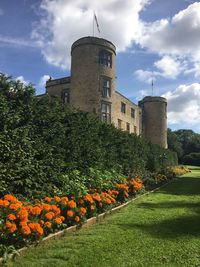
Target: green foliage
174,143
47,148
5,252
184,142
192,159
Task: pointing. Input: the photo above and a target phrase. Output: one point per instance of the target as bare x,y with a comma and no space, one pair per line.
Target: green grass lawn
159,229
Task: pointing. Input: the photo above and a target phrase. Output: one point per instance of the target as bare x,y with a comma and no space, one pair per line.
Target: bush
192,159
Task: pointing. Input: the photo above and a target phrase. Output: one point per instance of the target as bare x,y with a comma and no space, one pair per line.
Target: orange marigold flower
23,214
83,210
11,217
71,204
64,200
81,201
57,199
48,224
23,223
58,220
62,218
10,198
55,209
77,219
36,228
4,203
46,207
96,197
11,227
16,206
25,230
92,207
70,213
48,199
36,211
88,198
108,201
31,225
41,222
49,215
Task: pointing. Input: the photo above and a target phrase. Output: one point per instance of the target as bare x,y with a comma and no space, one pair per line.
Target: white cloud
178,36
22,80
63,22
43,79
184,105
195,70
169,67
145,75
175,37
17,41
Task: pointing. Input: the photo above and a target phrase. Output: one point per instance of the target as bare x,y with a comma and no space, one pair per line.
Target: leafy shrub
192,159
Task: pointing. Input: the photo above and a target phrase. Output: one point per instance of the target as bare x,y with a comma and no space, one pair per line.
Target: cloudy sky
155,39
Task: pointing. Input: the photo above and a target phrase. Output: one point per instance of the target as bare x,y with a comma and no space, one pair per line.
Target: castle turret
154,119
93,75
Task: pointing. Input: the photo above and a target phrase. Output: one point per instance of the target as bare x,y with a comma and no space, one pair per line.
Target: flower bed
22,223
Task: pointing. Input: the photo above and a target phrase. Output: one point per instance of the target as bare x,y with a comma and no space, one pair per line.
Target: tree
174,143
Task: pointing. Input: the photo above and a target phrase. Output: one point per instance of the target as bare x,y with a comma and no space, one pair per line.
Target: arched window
105,58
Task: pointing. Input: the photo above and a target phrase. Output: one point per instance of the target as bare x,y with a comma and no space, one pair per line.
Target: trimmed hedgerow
42,140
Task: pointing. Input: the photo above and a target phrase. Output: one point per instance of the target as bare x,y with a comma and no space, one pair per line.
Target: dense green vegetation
187,145
43,142
159,229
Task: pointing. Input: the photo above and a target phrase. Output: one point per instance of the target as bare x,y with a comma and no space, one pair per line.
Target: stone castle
91,88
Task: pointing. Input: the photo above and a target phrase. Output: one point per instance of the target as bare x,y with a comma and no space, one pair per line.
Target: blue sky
156,39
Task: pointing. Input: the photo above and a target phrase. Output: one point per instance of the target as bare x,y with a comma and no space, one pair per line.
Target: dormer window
105,58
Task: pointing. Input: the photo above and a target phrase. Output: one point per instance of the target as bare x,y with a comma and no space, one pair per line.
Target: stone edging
87,223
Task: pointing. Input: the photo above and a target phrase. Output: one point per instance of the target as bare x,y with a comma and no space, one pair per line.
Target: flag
95,18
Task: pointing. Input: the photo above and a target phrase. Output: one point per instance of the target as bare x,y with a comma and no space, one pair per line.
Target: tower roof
94,41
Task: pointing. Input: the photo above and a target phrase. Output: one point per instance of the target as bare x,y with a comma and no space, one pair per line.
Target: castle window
132,113
135,129
106,92
105,58
123,107
128,127
65,96
106,112
119,124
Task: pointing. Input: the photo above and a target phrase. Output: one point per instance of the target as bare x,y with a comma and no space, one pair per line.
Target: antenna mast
152,86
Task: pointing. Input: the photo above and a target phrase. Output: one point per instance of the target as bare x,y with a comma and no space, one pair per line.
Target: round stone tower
154,119
92,75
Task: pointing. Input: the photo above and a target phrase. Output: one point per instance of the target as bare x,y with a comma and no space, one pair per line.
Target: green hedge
192,159
41,140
